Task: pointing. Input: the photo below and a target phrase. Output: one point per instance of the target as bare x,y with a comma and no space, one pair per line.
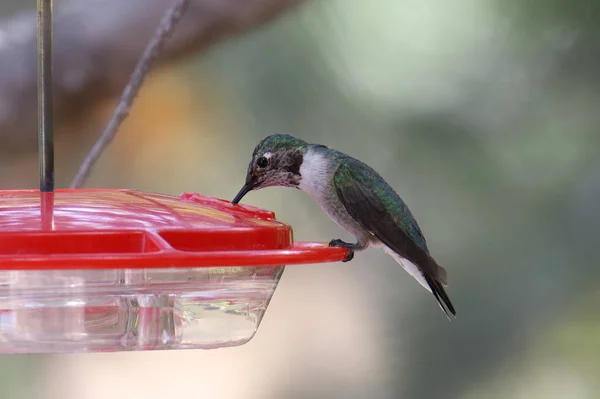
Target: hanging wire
167,24
45,96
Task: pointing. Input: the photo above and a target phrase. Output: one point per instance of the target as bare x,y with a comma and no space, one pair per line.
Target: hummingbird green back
352,170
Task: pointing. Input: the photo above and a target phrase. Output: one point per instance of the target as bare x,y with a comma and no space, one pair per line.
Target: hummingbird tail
438,291
432,279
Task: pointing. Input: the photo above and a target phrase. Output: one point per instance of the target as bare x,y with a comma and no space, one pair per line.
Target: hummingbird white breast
317,175
317,171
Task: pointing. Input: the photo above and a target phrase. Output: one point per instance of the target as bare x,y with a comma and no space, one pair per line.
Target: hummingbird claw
343,244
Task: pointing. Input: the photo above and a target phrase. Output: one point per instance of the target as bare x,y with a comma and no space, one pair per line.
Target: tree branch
97,44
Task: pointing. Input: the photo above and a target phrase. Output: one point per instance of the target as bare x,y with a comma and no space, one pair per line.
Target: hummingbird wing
375,205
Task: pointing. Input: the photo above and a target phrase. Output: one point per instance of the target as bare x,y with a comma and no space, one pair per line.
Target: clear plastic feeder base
52,311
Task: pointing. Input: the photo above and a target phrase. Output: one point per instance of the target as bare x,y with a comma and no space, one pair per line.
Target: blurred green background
483,114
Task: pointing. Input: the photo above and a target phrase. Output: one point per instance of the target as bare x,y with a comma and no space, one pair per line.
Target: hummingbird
355,197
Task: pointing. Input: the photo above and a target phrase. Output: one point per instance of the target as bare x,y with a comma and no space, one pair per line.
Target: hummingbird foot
350,247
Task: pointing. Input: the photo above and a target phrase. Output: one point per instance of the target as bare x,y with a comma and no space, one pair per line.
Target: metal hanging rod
45,96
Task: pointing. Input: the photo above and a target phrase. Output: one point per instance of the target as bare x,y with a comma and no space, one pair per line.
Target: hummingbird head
276,161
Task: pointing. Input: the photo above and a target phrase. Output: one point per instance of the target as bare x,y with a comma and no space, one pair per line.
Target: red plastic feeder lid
118,229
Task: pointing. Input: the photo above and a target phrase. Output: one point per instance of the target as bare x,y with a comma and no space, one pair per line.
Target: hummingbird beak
245,190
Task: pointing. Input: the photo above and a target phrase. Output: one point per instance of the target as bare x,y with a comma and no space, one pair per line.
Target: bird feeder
110,270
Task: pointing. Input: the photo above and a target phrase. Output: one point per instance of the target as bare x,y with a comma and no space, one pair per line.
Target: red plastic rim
119,229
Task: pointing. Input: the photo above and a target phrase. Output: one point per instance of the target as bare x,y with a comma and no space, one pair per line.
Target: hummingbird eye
262,162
